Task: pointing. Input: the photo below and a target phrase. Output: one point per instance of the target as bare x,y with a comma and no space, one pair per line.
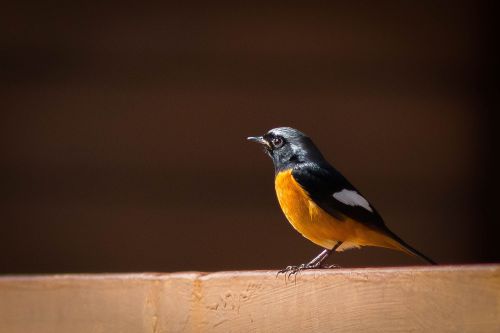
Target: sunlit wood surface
427,299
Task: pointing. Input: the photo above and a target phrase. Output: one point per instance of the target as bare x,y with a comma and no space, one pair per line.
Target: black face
287,147
277,145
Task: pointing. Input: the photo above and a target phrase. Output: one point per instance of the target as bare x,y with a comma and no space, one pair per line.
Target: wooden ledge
417,299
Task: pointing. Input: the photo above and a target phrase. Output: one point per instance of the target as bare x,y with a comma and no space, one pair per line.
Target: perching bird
320,203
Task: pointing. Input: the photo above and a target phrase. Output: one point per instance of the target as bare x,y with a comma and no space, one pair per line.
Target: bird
320,203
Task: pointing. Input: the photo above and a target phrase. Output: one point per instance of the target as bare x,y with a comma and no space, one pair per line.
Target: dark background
123,130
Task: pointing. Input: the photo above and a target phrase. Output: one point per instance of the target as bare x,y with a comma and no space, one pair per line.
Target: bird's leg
315,263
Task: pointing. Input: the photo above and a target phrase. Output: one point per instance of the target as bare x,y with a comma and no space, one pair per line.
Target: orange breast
317,225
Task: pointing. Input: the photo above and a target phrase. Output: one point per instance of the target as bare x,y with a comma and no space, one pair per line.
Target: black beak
259,139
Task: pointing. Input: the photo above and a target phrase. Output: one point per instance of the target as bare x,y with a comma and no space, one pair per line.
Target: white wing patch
352,198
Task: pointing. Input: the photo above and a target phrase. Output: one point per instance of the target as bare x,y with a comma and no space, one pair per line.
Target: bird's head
287,147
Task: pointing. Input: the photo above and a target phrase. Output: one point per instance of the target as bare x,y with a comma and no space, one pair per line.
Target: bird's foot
294,270
290,270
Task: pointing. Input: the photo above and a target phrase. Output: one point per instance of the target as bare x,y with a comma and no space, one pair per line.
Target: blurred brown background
123,130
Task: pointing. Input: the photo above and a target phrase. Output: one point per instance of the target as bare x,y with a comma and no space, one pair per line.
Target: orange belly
317,225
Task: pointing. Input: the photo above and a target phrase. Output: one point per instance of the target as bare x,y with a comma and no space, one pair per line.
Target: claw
285,270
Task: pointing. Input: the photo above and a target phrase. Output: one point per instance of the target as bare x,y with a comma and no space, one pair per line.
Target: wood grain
427,299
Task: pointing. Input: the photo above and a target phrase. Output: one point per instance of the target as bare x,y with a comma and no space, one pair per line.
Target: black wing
335,195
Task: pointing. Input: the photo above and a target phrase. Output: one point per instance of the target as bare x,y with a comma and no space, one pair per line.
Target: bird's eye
277,142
